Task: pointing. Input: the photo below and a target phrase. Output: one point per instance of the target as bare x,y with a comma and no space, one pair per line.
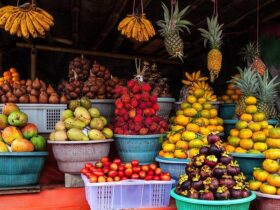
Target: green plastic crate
21,168
184,203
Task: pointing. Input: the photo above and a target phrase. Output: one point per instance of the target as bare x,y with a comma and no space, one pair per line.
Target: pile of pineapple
190,127
250,132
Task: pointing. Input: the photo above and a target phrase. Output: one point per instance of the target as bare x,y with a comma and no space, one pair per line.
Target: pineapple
252,56
214,37
267,93
170,28
247,82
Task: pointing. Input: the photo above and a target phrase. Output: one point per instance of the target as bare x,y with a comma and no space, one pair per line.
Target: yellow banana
15,25
44,24
10,21
37,26
45,13
188,76
23,27
186,82
197,75
19,33
4,18
134,30
129,28
124,22
30,26
149,25
47,22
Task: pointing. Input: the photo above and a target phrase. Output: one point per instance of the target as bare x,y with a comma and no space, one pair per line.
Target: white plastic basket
127,194
105,106
165,107
44,116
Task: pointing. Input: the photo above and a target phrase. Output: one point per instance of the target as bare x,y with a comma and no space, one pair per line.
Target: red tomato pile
106,171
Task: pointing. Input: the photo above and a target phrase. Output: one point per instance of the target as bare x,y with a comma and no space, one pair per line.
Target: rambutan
138,118
132,113
136,88
134,102
145,96
145,87
125,98
148,121
143,131
153,98
118,103
156,107
131,83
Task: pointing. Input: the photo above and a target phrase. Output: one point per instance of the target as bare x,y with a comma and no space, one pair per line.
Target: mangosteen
206,195
211,161
193,193
184,193
245,193
233,168
186,185
197,183
211,183
193,173
198,160
219,170
189,167
236,192
222,193
205,172
240,178
183,178
227,181
213,138
225,158
204,150
216,149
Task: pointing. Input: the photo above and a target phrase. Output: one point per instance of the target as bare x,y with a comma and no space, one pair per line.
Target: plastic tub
136,147
227,111
265,201
184,203
21,168
44,116
127,194
248,162
165,107
71,156
105,106
175,166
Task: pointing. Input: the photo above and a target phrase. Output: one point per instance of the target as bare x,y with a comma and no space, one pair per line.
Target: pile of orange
190,127
250,132
11,76
232,94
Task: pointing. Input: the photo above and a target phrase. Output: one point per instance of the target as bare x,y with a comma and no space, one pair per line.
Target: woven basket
71,156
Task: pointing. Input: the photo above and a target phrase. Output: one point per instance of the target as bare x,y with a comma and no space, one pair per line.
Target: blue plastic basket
248,162
227,111
136,147
184,203
175,166
21,168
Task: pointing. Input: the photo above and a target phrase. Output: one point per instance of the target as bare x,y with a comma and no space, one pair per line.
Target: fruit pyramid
267,179
190,126
213,175
136,110
232,94
250,132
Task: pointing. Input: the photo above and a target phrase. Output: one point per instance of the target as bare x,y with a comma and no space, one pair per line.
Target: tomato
117,161
142,174
145,168
134,176
121,168
136,169
268,189
158,171
153,166
93,179
104,159
84,171
274,180
114,166
98,164
112,174
88,165
156,178
117,178
98,173
101,179
134,162
260,174
149,177
121,174
165,177
128,172
270,166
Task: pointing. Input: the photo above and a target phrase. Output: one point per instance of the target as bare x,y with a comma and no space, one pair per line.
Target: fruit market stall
139,104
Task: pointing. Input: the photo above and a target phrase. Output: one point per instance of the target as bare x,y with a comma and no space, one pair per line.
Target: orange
168,147
274,180
191,99
246,117
180,154
229,148
213,121
230,86
179,112
240,150
202,100
278,191
193,152
234,96
241,125
182,145
238,92
177,128
196,143
220,121
234,141
188,135
185,105
264,124
268,189
245,133
246,144
220,128
212,128
197,106
234,132
259,136
271,166
251,109
206,121
207,106
258,117
174,138
190,112
225,97
260,174
255,126
229,92
254,185
204,131
182,120
273,143
193,127
199,121
213,113
161,153
250,100
169,155
205,113
199,92
260,146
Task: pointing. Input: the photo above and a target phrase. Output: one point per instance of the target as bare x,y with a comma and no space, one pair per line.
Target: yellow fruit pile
232,94
250,132
25,20
137,27
197,81
190,127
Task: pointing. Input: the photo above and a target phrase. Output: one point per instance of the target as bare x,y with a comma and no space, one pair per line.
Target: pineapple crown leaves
214,33
250,52
247,82
268,89
173,22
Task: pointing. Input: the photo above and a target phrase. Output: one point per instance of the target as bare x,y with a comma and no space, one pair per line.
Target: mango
29,130
8,108
22,145
10,133
3,147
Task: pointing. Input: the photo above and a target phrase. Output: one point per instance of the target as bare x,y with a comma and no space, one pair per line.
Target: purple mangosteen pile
213,175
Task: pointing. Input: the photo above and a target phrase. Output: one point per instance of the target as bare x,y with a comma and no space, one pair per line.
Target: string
258,24
142,7
215,8
133,7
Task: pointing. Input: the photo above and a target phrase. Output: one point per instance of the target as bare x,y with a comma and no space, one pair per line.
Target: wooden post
1,62
33,62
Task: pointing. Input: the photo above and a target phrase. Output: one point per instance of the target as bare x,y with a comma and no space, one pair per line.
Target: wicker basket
21,168
71,156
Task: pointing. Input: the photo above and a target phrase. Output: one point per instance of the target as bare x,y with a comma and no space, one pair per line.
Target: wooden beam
95,53
111,23
62,40
121,38
270,17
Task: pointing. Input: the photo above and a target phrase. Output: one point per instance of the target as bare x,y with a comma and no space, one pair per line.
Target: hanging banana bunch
137,26
25,20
